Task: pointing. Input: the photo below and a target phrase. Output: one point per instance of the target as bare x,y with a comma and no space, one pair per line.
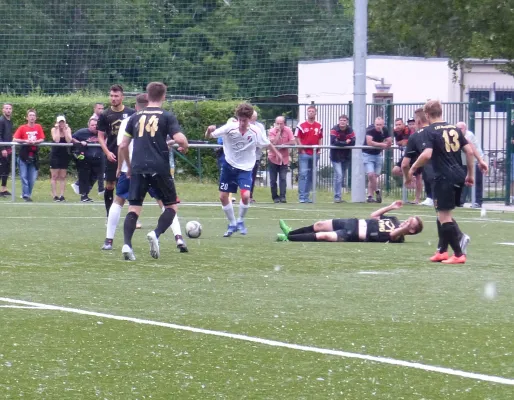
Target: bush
194,117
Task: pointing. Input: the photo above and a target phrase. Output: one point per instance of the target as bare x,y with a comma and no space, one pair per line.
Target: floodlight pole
360,49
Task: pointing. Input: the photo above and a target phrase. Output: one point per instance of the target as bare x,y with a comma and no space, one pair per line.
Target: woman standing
60,157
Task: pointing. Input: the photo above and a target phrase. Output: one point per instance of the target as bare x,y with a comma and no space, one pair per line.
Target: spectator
28,161
341,135
308,133
89,159
60,157
512,167
280,134
401,136
479,178
5,151
411,123
258,153
98,109
377,136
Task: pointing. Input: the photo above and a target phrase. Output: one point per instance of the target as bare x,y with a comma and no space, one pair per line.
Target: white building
411,80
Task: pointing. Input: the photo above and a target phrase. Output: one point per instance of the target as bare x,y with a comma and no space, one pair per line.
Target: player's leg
369,169
337,167
110,182
122,193
319,226
54,173
419,187
244,181
228,185
137,192
254,177
313,237
303,173
175,225
164,187
379,162
397,169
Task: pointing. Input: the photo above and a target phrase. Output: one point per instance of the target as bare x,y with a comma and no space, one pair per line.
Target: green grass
312,294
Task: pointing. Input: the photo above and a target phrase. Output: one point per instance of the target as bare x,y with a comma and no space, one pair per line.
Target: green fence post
199,163
508,147
388,153
471,117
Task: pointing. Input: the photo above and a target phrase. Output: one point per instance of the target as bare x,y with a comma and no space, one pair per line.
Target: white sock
229,212
243,209
112,220
175,227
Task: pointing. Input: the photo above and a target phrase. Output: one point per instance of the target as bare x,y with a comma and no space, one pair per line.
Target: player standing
240,141
108,125
149,166
443,145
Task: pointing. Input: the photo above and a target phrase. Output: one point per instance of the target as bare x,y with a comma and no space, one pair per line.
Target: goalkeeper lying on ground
378,228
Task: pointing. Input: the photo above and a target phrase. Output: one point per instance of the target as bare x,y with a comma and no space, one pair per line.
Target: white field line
274,343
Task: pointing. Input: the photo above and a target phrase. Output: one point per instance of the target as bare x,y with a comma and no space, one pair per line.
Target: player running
149,166
240,140
379,228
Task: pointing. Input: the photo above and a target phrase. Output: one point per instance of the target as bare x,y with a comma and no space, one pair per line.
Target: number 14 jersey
148,129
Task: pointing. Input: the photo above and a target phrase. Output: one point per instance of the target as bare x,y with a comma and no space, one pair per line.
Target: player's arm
371,142
182,142
395,205
123,150
470,177
213,133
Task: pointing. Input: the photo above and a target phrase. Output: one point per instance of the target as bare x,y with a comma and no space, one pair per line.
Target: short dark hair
99,103
398,119
142,99
311,107
31,110
156,91
116,88
244,110
344,116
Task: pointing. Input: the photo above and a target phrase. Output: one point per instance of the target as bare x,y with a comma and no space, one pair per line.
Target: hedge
194,117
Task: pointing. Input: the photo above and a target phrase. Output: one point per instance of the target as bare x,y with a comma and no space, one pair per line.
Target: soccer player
240,140
108,125
443,145
379,228
123,185
149,166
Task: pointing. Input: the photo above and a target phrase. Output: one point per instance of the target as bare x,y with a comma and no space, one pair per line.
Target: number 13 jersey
148,129
446,142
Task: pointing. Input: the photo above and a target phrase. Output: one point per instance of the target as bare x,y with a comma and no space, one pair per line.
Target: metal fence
322,176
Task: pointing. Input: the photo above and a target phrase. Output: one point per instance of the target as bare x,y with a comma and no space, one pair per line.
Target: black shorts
5,165
347,229
163,188
446,194
59,162
110,171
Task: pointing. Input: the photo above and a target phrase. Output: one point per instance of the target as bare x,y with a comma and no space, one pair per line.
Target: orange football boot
438,257
455,260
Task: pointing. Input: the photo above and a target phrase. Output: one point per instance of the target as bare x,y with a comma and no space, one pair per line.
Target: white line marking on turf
25,307
375,273
274,343
506,244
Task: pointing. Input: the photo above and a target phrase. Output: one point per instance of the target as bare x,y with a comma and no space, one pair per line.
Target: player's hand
408,179
83,143
483,167
395,205
4,153
182,150
118,172
129,171
111,157
470,180
210,129
170,143
279,158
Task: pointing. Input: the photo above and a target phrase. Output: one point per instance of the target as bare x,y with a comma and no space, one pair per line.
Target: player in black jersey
108,125
443,144
149,166
379,228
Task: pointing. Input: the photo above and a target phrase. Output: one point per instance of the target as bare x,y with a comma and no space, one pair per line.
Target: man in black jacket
341,135
6,129
89,158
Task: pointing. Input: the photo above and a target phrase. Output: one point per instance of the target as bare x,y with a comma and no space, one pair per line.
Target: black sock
164,221
305,229
129,227
4,181
442,245
108,199
458,228
302,237
451,233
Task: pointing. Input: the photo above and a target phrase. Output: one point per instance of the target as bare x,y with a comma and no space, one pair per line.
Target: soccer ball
193,229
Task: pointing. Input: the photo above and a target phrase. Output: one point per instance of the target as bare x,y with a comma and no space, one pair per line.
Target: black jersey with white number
446,142
109,122
379,230
149,129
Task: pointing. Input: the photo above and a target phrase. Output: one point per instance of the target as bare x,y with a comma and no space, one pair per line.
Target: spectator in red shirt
341,135
308,133
31,134
279,135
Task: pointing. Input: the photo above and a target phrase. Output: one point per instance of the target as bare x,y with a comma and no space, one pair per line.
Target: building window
502,96
480,96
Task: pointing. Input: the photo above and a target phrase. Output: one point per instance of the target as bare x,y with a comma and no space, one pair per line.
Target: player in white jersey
240,141
122,190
